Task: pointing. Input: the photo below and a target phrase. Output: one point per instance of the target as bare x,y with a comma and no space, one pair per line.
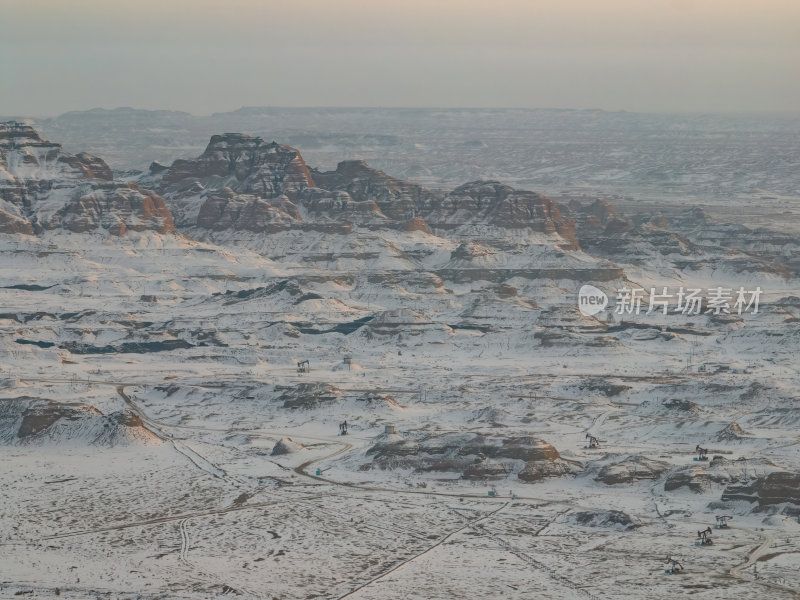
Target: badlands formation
183,344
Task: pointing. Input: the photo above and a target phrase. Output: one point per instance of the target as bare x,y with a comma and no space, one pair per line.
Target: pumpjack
675,566
704,537
702,453
722,521
303,366
594,443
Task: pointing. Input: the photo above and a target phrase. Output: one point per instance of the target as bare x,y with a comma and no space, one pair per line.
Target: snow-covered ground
175,372
195,346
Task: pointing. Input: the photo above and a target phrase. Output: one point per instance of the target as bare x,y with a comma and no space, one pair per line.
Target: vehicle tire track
159,520
424,552
190,453
752,557
184,558
507,546
184,541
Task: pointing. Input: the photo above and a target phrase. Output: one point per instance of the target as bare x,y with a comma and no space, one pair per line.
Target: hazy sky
204,56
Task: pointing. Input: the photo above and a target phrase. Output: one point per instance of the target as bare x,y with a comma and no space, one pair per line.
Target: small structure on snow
702,453
594,443
722,521
704,537
675,566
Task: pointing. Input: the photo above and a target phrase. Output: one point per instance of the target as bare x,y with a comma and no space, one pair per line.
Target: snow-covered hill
172,397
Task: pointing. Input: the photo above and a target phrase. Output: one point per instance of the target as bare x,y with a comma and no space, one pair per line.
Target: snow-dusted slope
443,328
44,188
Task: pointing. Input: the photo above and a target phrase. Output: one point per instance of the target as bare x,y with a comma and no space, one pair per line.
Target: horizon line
693,113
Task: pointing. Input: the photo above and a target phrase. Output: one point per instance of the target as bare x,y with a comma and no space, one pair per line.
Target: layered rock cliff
242,183
247,165
398,200
492,203
42,187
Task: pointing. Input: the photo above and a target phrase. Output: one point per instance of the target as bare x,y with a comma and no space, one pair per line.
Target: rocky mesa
42,188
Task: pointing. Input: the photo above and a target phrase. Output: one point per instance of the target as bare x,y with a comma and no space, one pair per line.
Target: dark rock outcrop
696,480
243,183
630,470
779,490
44,188
398,200
493,203
730,433
116,207
31,421
539,470
247,165
597,220
243,212
606,519
393,446
474,456
286,446
309,395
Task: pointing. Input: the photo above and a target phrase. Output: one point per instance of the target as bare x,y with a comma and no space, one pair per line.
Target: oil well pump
722,521
675,566
704,537
702,453
594,443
